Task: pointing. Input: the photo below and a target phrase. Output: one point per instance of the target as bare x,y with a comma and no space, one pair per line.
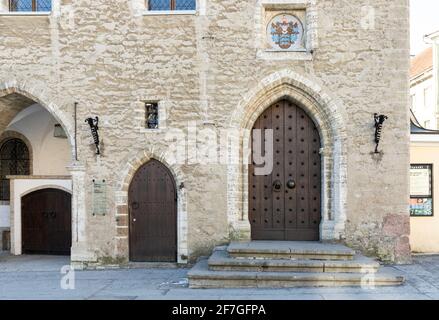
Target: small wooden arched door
285,204
153,214
47,222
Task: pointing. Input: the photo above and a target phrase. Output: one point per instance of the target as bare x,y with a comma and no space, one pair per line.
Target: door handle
134,220
291,184
135,205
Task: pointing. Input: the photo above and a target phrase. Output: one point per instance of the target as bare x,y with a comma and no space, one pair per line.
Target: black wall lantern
379,121
94,127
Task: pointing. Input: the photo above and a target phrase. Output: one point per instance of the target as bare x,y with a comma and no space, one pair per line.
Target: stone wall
109,58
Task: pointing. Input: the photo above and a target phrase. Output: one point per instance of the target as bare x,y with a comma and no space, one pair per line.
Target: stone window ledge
284,55
26,13
152,131
39,177
169,12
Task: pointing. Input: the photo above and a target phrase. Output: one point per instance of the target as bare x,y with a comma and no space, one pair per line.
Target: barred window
152,115
158,5
30,5
14,160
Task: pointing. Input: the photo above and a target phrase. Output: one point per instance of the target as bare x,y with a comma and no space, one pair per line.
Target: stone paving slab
422,282
32,263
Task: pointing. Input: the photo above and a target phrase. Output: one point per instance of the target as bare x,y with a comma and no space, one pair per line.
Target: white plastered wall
4,6
424,110
4,216
51,155
424,236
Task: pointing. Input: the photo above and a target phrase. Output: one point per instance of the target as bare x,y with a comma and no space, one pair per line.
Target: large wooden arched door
285,204
47,222
153,214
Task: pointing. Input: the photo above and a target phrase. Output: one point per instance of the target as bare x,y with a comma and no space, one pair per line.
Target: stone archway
127,172
152,214
15,96
284,199
327,114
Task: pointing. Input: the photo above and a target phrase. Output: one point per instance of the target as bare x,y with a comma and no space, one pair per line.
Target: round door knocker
291,184
277,186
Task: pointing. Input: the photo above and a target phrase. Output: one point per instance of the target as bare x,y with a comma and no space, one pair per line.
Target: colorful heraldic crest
285,32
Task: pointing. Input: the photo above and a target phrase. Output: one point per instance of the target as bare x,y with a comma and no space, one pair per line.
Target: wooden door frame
328,230
57,189
64,184
125,175
308,234
328,113
174,181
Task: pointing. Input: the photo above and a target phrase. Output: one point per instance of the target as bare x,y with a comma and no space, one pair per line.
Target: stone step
290,250
221,261
201,277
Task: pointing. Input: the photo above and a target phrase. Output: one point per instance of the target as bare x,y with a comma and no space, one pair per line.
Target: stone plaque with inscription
99,194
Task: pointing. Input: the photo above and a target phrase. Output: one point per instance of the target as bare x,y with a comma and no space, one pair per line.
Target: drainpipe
76,130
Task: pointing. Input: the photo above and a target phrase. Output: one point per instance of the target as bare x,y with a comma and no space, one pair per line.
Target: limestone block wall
110,58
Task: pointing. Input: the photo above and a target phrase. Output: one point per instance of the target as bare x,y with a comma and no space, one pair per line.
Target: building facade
424,151
177,89
424,84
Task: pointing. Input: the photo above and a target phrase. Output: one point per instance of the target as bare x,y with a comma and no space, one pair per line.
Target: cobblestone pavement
39,277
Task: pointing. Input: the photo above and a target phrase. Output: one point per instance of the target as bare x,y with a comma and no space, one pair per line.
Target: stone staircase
276,264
